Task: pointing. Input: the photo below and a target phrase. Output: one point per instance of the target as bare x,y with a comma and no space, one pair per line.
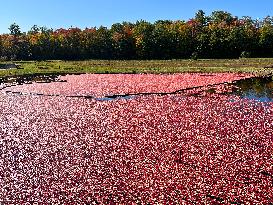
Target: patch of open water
257,88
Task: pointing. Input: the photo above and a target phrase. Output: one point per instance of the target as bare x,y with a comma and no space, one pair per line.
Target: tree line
219,35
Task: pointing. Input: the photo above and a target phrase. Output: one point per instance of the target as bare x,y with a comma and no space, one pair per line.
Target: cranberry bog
136,139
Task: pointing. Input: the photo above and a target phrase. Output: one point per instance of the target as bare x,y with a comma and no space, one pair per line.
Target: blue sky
89,13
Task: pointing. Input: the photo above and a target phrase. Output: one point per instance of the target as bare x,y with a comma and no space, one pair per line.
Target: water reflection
257,88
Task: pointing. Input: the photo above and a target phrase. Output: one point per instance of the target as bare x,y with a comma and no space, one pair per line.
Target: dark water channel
255,88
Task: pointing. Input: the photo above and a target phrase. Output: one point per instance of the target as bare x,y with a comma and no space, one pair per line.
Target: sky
90,13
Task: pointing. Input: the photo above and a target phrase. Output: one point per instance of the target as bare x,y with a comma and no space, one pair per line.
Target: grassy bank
251,65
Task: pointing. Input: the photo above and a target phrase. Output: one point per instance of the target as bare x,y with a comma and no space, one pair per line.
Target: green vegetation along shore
243,65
